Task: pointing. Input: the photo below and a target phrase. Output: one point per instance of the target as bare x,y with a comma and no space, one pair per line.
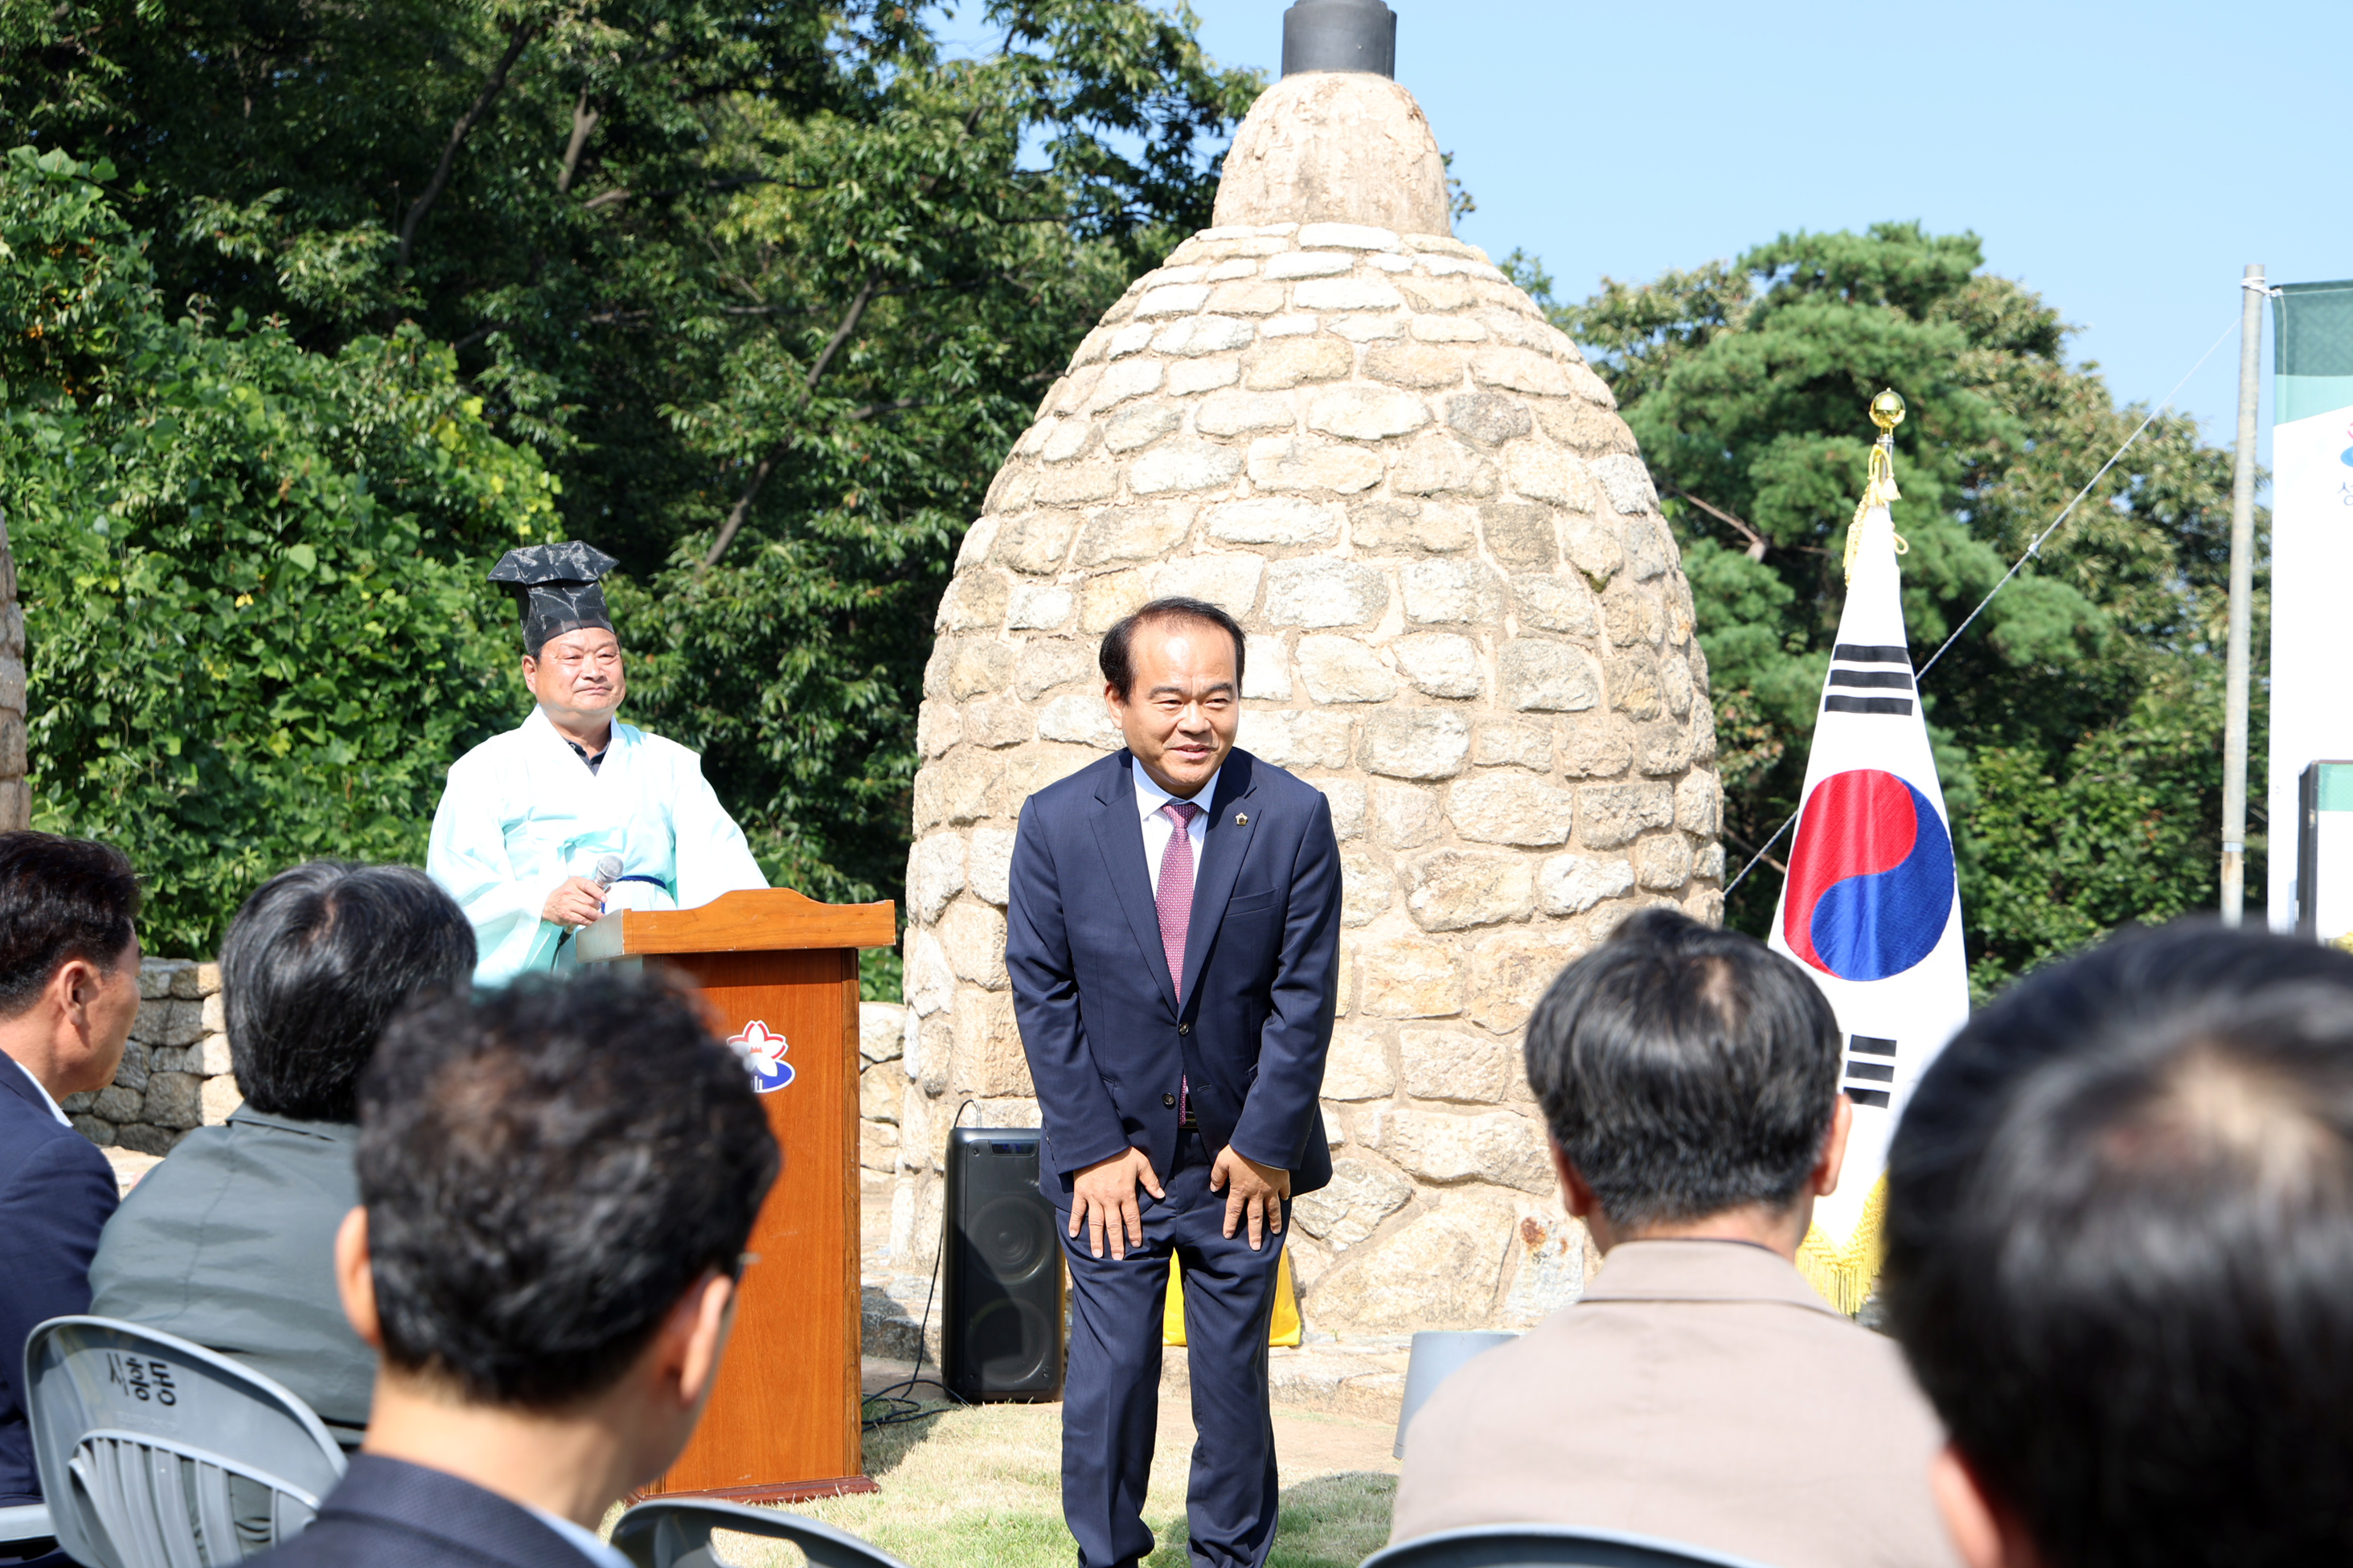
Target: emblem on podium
763,1057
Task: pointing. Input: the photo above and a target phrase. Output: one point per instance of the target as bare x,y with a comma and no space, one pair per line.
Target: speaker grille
1002,1335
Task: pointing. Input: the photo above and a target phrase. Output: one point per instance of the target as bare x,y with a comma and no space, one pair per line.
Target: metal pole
2243,573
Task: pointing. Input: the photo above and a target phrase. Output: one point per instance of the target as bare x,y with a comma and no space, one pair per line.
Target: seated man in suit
557,1183
1700,1390
2120,1258
230,1242
68,992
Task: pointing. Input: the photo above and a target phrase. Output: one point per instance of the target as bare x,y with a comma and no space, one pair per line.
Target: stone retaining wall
174,1075
882,1082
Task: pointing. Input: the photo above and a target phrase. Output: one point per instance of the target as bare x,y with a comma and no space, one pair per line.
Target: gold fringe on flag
1845,1275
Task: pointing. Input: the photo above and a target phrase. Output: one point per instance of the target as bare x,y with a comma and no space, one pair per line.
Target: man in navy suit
69,993
1173,941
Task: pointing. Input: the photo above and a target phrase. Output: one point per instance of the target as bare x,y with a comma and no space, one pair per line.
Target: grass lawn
982,1488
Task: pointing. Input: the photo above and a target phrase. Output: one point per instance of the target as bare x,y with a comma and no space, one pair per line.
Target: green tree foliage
250,569
772,287
2078,722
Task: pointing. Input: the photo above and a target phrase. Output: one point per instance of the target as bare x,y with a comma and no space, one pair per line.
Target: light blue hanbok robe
522,812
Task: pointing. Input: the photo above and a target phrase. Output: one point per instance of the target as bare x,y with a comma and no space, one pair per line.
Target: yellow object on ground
1283,1331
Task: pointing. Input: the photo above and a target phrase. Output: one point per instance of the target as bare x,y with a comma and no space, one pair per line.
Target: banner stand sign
2312,564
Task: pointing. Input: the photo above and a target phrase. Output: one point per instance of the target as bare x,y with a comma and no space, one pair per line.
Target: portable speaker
1001,1337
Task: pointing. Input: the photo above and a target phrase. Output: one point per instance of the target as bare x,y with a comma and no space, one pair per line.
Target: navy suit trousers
1111,1399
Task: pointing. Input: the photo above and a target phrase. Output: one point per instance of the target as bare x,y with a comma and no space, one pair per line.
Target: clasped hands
1103,1198
576,902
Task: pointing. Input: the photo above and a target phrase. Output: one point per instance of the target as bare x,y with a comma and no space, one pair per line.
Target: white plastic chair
662,1533
1546,1546
25,1521
158,1453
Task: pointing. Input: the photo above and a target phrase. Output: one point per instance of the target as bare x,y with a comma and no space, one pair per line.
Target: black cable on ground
903,1407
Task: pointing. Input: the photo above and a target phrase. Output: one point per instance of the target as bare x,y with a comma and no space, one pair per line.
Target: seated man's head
69,959
1689,1077
2120,1258
316,964
558,1182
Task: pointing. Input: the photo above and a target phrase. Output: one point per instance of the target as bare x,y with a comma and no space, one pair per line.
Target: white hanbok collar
545,734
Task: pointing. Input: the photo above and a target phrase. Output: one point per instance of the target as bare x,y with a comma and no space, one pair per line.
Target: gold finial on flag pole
1887,413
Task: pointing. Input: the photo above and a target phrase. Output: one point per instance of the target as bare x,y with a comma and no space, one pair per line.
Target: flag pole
2243,571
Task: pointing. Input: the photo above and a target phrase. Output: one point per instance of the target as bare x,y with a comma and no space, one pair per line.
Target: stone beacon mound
1468,626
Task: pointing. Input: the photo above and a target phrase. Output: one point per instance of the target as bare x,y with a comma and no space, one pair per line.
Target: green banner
2313,329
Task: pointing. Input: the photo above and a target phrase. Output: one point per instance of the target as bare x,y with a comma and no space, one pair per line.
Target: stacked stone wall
174,1076
1467,625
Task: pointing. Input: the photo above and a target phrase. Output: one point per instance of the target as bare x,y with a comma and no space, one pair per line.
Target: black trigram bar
1886,679
1876,1072
1867,704
1872,653
1877,1097
1871,1045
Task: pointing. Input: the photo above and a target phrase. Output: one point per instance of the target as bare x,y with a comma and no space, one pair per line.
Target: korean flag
1870,907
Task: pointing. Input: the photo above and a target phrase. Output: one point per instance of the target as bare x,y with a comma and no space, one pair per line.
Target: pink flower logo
763,1057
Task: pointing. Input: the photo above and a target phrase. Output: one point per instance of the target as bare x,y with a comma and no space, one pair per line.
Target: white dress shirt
1149,798
64,1120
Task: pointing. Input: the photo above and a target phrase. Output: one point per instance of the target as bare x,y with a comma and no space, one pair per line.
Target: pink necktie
1175,898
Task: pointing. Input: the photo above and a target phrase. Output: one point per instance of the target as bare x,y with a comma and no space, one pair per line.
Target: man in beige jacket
1700,1390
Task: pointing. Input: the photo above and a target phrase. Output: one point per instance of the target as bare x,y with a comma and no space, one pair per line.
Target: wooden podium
781,973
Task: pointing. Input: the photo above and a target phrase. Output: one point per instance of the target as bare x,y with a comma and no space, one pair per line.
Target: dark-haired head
1117,654
1684,1072
546,1173
316,964
2120,1255
61,899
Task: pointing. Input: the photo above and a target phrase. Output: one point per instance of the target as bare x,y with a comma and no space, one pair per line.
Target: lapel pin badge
1241,819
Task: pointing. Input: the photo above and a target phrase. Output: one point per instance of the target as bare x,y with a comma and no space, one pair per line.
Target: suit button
1168,1100
1184,1028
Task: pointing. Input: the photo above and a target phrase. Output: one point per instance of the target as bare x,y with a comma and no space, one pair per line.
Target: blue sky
2125,162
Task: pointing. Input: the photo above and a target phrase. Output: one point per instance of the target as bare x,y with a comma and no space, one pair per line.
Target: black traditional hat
555,585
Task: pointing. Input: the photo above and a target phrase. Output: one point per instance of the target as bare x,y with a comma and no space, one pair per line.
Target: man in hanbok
574,813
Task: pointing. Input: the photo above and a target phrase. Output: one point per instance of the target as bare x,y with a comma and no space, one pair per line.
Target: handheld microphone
608,872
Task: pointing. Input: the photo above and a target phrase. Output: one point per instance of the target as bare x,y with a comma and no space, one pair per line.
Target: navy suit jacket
56,1193
389,1513
1101,1020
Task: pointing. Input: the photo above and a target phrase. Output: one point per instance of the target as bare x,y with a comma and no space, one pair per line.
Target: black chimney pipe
1339,36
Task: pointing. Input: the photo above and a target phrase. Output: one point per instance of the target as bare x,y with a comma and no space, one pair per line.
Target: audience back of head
2120,1256
546,1173
1684,1071
317,963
